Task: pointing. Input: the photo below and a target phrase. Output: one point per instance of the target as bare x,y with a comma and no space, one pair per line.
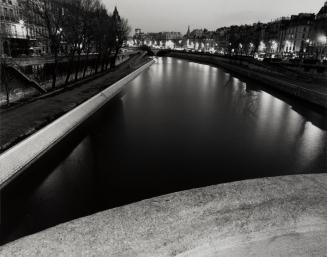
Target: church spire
116,15
188,31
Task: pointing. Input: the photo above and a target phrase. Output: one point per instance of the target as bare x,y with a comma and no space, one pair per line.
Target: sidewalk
21,121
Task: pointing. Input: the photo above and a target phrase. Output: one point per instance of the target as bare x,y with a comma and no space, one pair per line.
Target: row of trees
75,28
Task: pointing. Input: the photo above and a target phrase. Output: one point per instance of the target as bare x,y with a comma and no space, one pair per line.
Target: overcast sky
176,15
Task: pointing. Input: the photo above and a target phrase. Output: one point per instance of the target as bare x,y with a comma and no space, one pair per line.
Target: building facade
295,35
302,35
13,34
318,37
19,36
157,39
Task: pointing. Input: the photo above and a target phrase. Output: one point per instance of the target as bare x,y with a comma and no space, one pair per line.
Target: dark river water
177,126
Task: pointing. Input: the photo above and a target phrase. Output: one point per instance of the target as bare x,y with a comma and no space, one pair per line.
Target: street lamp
59,30
322,40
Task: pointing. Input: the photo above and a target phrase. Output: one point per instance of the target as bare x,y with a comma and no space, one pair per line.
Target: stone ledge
281,216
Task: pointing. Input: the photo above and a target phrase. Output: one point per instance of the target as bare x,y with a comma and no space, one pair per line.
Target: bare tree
4,76
73,32
108,42
122,30
90,20
4,79
50,15
80,26
103,35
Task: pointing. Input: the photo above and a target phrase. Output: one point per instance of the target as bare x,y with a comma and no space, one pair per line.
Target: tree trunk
113,60
104,60
4,80
108,59
71,60
78,65
7,93
86,63
54,72
97,63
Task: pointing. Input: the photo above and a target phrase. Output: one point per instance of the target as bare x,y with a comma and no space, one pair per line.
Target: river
179,125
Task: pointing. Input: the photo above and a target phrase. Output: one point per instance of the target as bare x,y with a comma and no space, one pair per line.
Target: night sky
176,15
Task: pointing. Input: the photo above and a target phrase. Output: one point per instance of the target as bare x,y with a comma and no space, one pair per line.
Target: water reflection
179,125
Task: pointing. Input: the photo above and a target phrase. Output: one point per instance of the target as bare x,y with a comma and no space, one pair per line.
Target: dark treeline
76,28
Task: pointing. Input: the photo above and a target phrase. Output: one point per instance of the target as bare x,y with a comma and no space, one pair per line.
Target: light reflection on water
179,125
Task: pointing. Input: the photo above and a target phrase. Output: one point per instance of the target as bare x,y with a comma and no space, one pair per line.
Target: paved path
20,122
283,216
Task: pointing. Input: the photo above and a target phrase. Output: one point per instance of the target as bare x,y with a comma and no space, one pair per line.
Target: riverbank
312,92
45,109
30,77
281,216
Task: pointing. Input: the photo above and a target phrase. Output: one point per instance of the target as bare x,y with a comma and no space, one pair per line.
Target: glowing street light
59,30
262,46
322,39
170,44
274,45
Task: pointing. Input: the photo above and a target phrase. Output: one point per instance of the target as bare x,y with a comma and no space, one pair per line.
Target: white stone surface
282,216
13,161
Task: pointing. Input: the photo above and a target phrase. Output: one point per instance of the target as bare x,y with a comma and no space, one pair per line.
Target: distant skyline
176,15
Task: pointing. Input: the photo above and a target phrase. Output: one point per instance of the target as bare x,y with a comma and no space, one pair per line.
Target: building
318,37
199,39
18,35
157,39
295,36
270,36
138,37
222,39
303,35
13,33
